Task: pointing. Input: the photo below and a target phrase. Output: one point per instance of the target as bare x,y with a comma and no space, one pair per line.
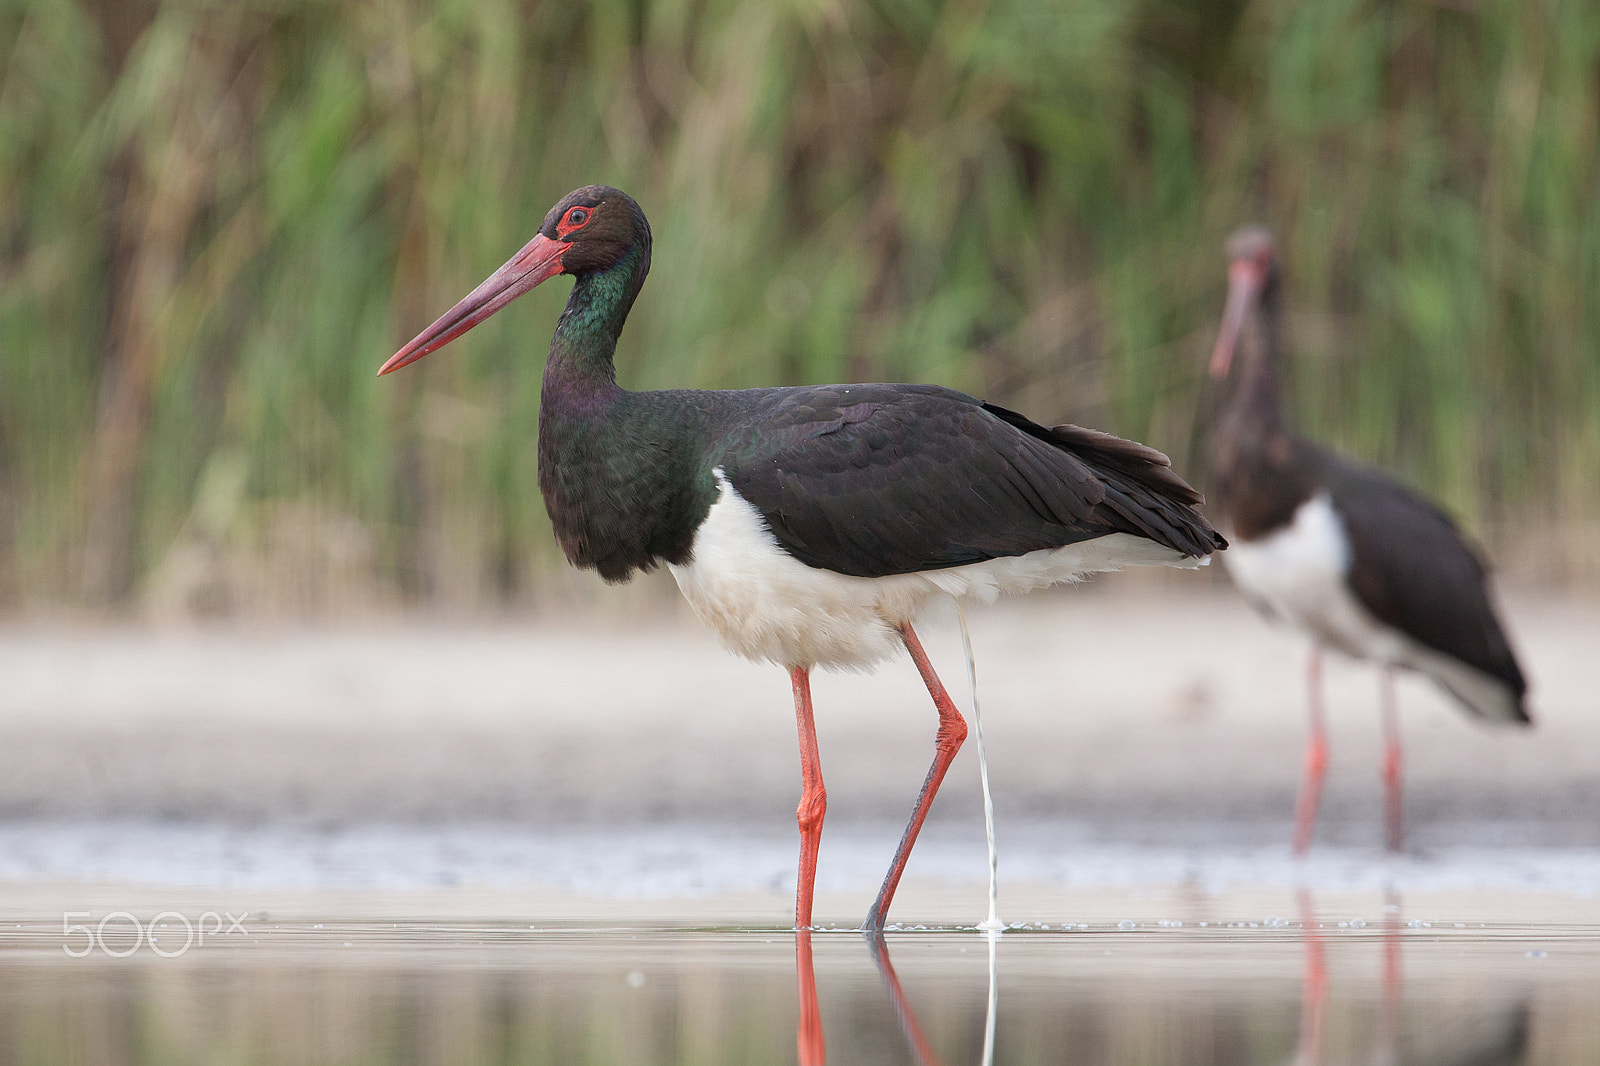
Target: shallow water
175,943
666,860
396,822
472,992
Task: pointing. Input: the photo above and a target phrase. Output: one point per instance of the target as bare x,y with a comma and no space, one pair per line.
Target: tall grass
217,220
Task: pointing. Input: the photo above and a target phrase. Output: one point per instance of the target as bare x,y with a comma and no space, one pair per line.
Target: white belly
765,604
1299,574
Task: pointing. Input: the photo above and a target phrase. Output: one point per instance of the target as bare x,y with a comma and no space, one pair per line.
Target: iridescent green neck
586,337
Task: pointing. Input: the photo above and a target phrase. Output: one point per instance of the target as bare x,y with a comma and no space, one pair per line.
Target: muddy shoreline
1142,712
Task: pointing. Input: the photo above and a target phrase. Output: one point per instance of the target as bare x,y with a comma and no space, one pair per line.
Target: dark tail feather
1138,461
1141,487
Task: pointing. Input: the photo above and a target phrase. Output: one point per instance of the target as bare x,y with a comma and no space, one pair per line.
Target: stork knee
813,808
952,733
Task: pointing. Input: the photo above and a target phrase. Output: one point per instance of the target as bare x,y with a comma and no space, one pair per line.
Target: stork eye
577,216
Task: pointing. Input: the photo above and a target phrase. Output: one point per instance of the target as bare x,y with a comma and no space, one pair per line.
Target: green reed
217,220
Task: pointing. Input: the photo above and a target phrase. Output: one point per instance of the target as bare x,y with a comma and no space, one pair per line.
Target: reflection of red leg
813,1048
1393,810
1305,815
813,799
902,1006
952,731
1314,985
1393,987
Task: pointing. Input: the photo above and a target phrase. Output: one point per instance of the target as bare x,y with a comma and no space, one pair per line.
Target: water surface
1306,989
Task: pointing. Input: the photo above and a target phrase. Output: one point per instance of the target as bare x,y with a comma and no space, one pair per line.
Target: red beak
539,260
1245,279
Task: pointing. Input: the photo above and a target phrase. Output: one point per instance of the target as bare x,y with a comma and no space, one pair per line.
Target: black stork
807,526
1346,554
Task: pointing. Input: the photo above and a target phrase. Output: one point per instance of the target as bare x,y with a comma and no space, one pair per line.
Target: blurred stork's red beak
539,260
1245,280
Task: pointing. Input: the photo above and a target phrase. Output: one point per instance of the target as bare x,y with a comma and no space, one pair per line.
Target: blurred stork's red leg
1394,811
1305,818
813,798
952,732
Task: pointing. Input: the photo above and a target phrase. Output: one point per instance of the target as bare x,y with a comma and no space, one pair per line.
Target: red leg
812,1047
952,731
813,798
1394,811
1305,815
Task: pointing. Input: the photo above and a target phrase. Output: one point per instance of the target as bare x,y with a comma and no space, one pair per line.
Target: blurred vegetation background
217,220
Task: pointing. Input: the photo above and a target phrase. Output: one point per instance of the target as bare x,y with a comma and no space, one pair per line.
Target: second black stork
1344,553
807,526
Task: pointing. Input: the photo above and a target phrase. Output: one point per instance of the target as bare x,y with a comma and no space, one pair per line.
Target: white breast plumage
1299,574
765,604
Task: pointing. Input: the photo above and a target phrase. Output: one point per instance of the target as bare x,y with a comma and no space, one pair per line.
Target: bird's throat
1256,397
585,341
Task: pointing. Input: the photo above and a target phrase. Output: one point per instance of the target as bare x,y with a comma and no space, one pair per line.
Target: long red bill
539,260
1245,279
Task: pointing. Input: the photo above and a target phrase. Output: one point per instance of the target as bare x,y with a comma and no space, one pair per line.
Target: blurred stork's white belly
1299,574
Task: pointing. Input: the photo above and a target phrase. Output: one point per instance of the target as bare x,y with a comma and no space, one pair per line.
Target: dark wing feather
1413,570
1141,486
872,480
